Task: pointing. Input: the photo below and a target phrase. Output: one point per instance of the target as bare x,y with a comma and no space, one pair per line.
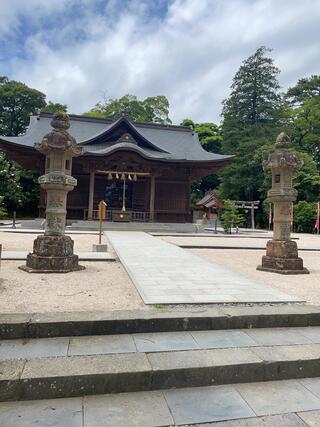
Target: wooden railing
137,216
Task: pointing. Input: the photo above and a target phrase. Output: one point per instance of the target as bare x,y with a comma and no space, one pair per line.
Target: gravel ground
106,285
24,241
101,286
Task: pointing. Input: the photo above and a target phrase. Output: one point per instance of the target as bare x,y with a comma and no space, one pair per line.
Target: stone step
155,342
291,403
13,326
70,376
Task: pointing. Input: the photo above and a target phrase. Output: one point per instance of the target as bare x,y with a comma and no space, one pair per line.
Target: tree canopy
252,117
152,109
254,94
17,103
55,107
304,102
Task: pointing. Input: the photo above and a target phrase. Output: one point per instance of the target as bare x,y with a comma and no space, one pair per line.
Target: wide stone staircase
166,362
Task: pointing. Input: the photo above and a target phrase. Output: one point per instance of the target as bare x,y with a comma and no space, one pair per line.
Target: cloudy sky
77,51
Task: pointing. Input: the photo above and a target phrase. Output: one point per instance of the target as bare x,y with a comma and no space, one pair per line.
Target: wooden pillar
252,216
91,196
152,193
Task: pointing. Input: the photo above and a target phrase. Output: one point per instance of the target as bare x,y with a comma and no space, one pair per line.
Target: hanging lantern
117,175
110,176
123,177
135,177
129,177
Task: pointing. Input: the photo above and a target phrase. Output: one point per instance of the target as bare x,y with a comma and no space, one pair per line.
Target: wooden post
91,196
102,217
152,193
252,216
318,218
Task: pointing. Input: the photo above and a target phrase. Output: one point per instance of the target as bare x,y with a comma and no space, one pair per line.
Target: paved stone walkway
158,342
292,403
166,274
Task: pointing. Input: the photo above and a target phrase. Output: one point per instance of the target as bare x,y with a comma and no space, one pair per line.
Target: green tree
252,117
18,188
304,216
153,109
306,88
17,103
307,179
230,216
55,107
304,100
210,138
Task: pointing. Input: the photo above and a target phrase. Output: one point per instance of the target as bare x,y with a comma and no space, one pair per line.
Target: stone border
43,325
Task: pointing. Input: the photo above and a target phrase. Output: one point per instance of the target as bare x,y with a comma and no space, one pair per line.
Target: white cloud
190,54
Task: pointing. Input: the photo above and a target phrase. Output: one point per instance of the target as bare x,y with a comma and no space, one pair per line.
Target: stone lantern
282,252
53,252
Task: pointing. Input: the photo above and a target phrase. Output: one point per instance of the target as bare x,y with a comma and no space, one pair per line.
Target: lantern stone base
52,254
282,257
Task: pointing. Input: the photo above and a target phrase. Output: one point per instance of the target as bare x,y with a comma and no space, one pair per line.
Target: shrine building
143,171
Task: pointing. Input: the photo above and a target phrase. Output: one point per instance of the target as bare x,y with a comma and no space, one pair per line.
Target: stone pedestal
52,254
282,257
101,247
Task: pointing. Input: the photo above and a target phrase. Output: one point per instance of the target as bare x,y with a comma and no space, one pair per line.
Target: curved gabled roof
154,141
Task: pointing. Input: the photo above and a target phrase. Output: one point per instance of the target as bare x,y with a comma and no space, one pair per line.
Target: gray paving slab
221,339
277,336
147,409
164,273
165,341
312,384
41,413
30,348
313,333
288,352
196,405
11,370
310,418
278,397
283,420
202,358
101,344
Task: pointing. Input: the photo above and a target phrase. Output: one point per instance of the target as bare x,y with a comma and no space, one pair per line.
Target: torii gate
252,205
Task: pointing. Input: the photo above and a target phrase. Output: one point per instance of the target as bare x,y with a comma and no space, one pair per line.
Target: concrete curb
72,376
42,325
236,247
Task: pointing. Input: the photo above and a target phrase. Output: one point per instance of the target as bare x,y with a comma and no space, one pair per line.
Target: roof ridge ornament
126,138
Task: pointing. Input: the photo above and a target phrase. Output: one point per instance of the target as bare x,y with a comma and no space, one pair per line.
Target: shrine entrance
118,194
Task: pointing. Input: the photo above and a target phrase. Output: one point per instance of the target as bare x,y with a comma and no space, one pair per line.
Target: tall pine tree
252,117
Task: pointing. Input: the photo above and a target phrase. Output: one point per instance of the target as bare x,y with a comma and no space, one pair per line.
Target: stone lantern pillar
282,252
53,251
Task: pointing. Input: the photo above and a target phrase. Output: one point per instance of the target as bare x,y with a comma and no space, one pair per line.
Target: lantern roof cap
283,140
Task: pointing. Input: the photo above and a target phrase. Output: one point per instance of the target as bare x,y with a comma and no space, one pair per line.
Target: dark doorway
114,194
